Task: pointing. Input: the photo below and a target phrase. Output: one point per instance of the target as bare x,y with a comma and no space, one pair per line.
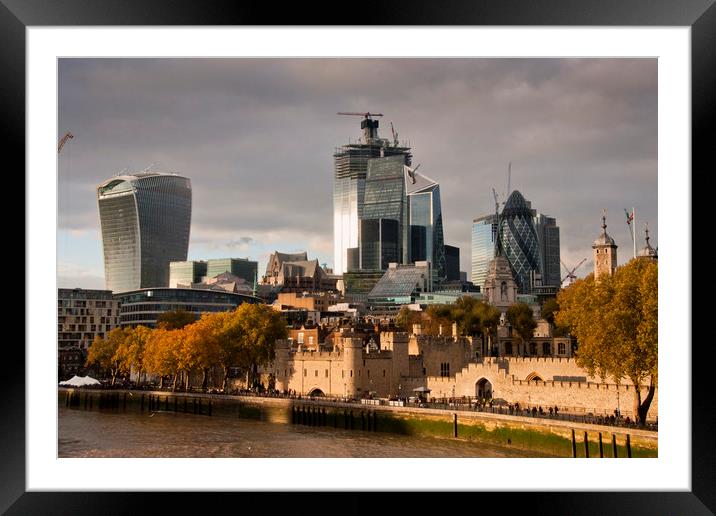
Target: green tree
406,318
437,319
255,328
549,311
521,318
615,322
103,352
175,319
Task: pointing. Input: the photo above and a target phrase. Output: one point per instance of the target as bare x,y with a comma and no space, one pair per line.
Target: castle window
351,373
305,372
546,348
533,348
326,373
384,373
343,374
316,375
445,369
508,348
561,348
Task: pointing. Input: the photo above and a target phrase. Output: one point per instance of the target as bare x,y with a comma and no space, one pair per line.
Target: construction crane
367,115
570,273
411,172
497,202
68,136
395,135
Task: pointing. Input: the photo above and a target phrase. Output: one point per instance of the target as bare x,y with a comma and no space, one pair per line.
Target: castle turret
397,342
352,364
605,252
282,364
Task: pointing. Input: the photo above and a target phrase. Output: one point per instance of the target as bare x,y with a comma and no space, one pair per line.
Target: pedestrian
551,411
556,409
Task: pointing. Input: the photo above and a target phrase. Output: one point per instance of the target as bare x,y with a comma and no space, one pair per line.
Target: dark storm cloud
256,137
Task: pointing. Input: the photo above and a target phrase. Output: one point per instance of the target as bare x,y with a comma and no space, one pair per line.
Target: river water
85,433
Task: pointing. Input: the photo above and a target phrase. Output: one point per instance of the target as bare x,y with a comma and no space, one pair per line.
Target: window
300,338
561,348
305,372
351,373
343,374
533,348
508,348
326,373
310,340
445,369
384,373
316,375
368,373
546,348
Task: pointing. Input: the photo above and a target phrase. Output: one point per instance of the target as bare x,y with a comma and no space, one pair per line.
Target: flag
630,219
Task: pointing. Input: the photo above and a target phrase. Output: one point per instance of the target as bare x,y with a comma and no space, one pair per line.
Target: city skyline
240,129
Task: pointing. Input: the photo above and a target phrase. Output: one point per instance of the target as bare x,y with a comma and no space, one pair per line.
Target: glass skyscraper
520,243
484,232
426,221
548,236
351,167
145,220
379,243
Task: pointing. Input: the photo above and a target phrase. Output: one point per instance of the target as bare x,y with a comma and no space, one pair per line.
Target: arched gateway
316,392
483,388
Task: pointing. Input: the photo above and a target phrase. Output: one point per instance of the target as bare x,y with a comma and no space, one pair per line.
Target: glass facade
146,305
186,273
351,167
484,231
519,241
452,263
426,222
402,284
379,243
241,267
548,235
145,220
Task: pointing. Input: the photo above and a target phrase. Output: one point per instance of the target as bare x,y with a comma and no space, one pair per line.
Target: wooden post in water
175,403
454,424
574,445
124,402
586,445
628,446
345,419
142,404
614,445
601,448
90,398
185,404
200,406
85,401
375,421
210,407
362,419
351,420
166,403
194,404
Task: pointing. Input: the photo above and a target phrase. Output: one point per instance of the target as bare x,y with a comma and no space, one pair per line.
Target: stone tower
605,252
500,286
648,252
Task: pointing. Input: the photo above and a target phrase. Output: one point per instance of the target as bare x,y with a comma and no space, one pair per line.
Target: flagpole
633,232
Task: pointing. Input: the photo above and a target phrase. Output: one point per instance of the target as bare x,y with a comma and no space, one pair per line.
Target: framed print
352,162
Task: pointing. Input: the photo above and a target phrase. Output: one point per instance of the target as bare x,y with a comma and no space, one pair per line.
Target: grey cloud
256,136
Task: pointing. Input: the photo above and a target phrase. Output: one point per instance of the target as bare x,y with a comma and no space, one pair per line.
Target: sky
257,136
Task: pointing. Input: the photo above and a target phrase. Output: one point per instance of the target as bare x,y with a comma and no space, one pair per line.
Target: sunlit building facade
484,232
426,221
145,221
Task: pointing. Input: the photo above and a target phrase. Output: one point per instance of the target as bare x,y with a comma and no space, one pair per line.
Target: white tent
79,381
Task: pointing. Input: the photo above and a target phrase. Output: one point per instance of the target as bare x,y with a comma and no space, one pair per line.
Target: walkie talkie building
145,220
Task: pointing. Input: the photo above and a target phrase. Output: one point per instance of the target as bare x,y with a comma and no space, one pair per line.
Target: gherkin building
519,241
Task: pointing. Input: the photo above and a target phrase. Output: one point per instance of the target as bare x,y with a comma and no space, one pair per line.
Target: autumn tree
175,319
159,357
201,346
615,322
436,319
522,320
103,352
131,351
549,310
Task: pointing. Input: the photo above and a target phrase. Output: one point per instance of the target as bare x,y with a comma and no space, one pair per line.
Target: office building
186,273
426,221
402,284
145,221
484,233
520,243
144,306
548,237
452,263
241,267
380,243
295,272
351,167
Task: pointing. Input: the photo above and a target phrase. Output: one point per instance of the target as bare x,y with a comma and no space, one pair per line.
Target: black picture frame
700,15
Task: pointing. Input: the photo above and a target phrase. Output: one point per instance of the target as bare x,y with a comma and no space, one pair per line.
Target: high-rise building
548,237
452,263
385,198
145,220
351,167
380,243
426,221
519,239
241,267
484,232
186,273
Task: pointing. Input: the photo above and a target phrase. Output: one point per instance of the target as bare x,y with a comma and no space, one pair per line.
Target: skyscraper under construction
351,167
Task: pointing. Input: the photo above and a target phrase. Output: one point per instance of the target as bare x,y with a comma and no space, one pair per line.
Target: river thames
85,433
